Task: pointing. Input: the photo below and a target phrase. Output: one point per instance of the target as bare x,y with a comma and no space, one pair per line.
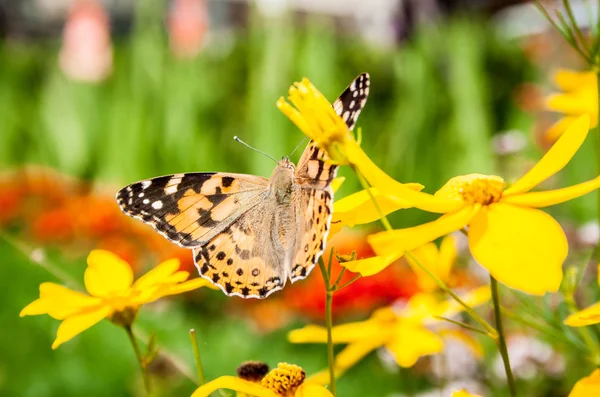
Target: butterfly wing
314,174
242,259
191,209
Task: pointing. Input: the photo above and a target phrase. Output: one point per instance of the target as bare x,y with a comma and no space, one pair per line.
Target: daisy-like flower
317,119
112,294
521,246
287,380
403,332
588,386
579,97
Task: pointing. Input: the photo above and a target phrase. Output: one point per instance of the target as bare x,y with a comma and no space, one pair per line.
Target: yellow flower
588,386
521,246
317,119
579,96
287,380
437,261
112,294
403,332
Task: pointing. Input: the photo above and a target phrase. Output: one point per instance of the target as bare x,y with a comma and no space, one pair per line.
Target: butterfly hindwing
245,260
189,209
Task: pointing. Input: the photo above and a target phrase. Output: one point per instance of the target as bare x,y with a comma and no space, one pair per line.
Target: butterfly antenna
255,149
296,148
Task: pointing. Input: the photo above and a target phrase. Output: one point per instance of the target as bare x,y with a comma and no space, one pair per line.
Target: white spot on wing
145,184
141,195
146,201
157,205
171,189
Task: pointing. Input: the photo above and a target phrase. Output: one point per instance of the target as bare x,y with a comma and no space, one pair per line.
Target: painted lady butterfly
249,234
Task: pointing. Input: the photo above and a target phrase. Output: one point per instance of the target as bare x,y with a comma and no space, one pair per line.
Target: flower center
284,380
474,189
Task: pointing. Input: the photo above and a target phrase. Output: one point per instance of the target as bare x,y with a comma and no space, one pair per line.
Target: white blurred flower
86,53
588,234
457,361
509,142
529,357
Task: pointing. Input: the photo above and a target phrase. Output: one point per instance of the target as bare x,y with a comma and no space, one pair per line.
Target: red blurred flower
86,54
53,226
188,24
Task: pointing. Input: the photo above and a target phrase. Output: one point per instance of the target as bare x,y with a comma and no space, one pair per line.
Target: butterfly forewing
190,209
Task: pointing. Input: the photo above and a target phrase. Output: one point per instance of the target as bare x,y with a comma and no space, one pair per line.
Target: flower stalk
501,340
140,358
196,349
329,290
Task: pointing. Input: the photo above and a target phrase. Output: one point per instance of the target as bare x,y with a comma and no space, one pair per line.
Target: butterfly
249,234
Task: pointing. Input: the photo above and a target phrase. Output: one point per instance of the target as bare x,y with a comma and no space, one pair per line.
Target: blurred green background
439,97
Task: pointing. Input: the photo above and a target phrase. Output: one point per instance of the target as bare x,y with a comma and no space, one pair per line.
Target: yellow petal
76,324
356,351
573,103
359,208
408,239
344,333
447,257
523,248
312,390
180,288
370,266
588,386
59,302
233,383
428,256
394,189
555,159
587,316
558,128
569,80
552,197
158,274
464,393
336,184
106,274
412,342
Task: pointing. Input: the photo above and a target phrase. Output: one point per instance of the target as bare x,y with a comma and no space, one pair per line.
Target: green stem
196,349
598,156
501,341
140,358
384,220
329,325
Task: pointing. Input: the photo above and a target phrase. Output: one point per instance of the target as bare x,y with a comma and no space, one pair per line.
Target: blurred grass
435,103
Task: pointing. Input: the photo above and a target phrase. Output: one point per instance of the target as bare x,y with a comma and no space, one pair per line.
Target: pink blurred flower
188,23
86,54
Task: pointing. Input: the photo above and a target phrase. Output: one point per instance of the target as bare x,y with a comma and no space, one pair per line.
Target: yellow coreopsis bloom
317,119
588,386
521,246
403,332
579,97
287,380
112,294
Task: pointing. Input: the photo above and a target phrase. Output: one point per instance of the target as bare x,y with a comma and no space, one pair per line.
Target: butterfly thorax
281,182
